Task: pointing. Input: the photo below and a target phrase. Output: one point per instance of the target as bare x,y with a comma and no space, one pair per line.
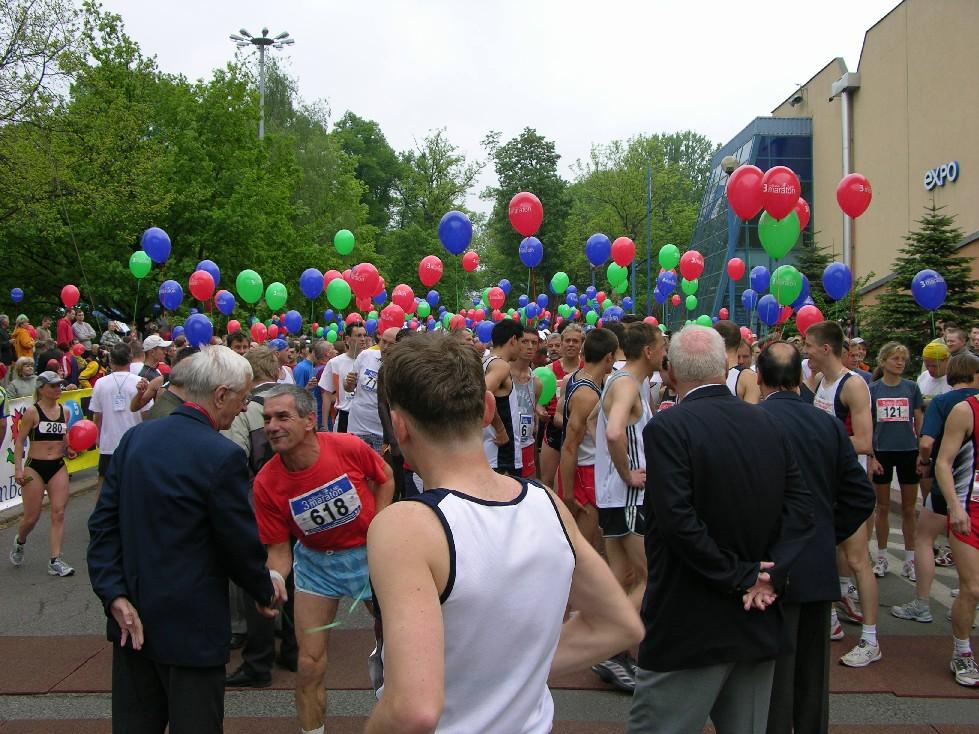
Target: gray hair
4,318
321,348
305,404
697,355
211,368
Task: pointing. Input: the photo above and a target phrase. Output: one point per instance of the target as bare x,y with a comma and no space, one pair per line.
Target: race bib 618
334,504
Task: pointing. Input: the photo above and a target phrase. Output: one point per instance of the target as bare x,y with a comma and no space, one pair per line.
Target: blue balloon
749,299
543,300
532,310
210,267
455,232
571,299
523,300
293,321
177,331
441,310
476,301
660,297
371,326
225,302
311,283
571,289
590,292
74,412
666,281
192,311
328,315
380,298
613,314
531,252
598,249
432,298
627,303
768,309
171,295
469,323
505,286
759,278
198,330
156,244
484,331
837,280
803,295
16,295
929,289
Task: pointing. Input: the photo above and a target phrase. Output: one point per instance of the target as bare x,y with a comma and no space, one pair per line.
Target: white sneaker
965,669
58,567
916,610
880,567
862,655
836,631
907,570
17,554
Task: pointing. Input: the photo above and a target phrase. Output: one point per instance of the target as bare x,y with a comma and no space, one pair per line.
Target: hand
71,386
874,467
279,597
142,385
350,381
921,466
500,437
128,620
637,478
762,594
19,477
541,412
311,385
958,520
71,453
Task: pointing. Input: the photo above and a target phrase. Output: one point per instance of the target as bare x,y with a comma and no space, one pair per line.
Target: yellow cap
935,350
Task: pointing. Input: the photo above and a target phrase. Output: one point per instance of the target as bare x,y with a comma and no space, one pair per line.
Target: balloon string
136,304
933,325
338,622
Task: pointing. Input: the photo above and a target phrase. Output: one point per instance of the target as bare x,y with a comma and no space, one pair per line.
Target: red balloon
363,280
314,326
392,316
723,313
363,304
273,331
82,435
600,297
784,315
380,287
70,296
735,268
496,297
353,318
430,270
806,317
479,315
497,314
676,299
457,322
691,265
526,213
346,275
651,320
404,297
853,194
744,191
623,251
283,330
233,326
802,209
413,324
259,332
746,334
780,190
201,285
330,275
470,261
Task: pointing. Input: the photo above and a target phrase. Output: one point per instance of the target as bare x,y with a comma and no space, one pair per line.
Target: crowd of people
721,503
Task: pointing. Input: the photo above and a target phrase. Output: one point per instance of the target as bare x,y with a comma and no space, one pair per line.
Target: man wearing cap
154,350
285,355
859,347
932,380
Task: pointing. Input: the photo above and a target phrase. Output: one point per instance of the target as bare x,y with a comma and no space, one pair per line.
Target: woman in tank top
43,470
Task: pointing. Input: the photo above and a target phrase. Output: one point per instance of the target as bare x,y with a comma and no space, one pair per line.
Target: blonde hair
20,364
890,349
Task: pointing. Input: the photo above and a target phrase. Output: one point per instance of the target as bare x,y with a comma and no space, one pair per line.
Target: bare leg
312,613
855,550
58,496
964,606
929,527
909,502
882,519
549,460
33,495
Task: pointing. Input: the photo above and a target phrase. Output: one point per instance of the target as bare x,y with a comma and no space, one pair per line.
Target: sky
579,72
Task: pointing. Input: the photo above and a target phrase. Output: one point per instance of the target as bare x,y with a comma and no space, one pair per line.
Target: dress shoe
238,640
241,678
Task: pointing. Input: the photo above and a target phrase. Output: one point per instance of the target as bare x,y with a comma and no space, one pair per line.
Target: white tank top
503,457
610,490
573,383
522,410
733,374
502,609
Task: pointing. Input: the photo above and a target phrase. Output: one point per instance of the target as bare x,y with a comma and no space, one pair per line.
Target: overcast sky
579,72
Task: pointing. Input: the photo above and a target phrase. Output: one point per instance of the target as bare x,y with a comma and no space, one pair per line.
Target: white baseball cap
153,341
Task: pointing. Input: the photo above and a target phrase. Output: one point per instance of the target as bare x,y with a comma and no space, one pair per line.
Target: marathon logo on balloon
785,188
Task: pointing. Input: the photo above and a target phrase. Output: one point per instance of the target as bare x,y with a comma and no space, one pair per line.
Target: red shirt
327,506
65,334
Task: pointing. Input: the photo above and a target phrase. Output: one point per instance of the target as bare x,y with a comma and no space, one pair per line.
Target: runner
526,390
502,451
335,372
740,380
324,489
44,470
363,420
572,337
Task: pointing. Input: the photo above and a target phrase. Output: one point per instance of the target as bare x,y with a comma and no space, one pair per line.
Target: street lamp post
262,42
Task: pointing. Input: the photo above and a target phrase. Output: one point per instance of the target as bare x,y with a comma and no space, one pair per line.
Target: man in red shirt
324,489
65,334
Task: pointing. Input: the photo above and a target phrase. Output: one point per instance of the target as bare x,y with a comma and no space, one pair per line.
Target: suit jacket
171,525
842,496
723,493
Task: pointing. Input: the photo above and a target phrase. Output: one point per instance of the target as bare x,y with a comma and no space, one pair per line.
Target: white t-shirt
363,416
285,376
111,397
931,386
338,367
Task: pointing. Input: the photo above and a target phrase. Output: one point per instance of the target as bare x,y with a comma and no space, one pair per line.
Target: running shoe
615,672
58,567
836,632
880,567
907,571
631,664
17,554
862,655
849,610
943,557
915,610
965,669
955,593
375,667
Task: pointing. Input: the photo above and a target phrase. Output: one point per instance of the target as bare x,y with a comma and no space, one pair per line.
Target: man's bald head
779,367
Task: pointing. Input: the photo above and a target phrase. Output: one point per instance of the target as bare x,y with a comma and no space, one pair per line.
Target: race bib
119,403
51,428
334,504
824,405
665,404
893,410
526,426
369,380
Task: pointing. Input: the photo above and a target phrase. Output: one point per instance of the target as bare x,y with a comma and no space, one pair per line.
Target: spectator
22,339
44,330
238,341
955,338
932,381
83,331
303,371
154,350
974,340
6,346
859,347
851,359
65,335
23,381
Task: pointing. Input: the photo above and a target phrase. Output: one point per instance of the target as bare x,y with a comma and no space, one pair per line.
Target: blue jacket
171,526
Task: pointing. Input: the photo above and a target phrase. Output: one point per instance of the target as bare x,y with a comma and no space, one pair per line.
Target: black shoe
241,678
615,672
288,662
238,640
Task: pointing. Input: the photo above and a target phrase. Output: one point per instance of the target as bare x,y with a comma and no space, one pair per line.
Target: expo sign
938,176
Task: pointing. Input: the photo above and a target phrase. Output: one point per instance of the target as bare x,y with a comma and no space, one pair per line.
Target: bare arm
496,375
856,396
619,403
384,492
27,422
958,428
280,558
748,389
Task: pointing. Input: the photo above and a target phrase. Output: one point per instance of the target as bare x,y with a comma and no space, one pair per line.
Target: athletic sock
833,618
869,633
909,555
881,554
961,647
844,584
321,730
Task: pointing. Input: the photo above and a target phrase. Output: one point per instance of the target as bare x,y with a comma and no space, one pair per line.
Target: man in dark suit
843,499
170,527
728,512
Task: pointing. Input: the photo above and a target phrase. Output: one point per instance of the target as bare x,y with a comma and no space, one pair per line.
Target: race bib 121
893,410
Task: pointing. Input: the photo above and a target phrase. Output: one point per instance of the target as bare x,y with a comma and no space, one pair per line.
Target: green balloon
621,288
591,317
669,257
564,310
704,320
778,236
276,295
140,264
548,381
319,331
343,241
249,286
446,319
662,327
423,309
331,336
689,287
560,282
484,297
607,305
691,303
616,273
786,284
338,293
333,327
372,315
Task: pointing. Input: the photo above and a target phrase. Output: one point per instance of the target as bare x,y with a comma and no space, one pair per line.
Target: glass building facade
719,235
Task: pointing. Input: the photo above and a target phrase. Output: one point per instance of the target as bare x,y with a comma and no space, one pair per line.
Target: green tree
376,164
896,315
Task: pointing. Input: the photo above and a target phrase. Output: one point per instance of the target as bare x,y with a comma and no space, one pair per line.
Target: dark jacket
171,525
6,347
723,493
842,496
